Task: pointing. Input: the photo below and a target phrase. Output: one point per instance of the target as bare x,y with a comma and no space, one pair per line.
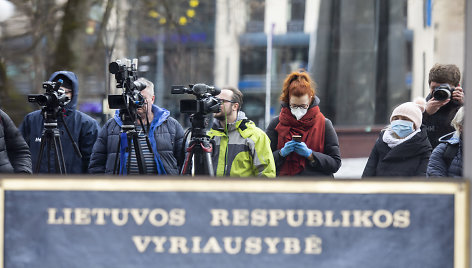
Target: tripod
200,147
129,136
51,139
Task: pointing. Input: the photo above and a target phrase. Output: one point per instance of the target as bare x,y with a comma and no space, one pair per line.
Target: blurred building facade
365,56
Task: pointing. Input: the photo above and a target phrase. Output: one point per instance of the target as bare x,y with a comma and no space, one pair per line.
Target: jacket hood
72,105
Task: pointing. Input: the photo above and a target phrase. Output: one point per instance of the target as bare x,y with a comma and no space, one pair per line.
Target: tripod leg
59,152
40,155
185,166
116,168
209,164
138,152
56,156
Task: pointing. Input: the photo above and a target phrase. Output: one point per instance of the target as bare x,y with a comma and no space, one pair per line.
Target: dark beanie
66,82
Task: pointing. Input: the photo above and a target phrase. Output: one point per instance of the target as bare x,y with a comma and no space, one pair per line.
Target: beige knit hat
413,110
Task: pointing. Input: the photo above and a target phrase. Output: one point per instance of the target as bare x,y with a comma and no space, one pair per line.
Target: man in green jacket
242,149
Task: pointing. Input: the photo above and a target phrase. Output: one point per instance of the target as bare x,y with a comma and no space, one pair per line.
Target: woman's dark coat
409,158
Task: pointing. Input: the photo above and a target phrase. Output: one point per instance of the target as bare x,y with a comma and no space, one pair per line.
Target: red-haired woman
303,141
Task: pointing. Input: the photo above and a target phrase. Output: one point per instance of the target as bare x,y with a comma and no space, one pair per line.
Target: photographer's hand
458,95
433,105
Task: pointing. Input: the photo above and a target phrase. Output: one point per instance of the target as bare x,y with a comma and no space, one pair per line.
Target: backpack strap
450,152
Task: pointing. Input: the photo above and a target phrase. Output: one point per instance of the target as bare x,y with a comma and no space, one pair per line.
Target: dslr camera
53,98
205,102
443,92
126,74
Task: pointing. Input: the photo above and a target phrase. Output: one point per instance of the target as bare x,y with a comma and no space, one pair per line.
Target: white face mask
298,112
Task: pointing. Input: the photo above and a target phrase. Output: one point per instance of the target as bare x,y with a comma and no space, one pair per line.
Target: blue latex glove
302,149
288,148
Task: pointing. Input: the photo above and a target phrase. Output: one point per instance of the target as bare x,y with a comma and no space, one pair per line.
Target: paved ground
351,168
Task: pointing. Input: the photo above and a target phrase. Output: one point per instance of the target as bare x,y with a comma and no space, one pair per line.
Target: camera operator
15,156
242,149
164,132
84,129
439,113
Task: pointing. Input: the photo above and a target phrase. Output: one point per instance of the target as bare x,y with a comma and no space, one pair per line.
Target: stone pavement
351,168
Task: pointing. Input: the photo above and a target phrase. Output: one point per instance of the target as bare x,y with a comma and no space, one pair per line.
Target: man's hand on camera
458,95
433,105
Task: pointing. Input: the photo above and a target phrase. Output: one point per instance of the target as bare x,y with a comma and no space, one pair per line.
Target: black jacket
410,158
325,164
15,156
439,123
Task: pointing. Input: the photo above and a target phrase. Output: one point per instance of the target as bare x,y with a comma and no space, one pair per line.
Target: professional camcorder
205,102
443,92
125,72
201,116
54,97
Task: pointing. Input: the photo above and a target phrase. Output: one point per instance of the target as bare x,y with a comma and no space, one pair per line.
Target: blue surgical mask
402,128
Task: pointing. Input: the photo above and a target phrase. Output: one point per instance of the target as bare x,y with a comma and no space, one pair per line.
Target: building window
296,16
256,11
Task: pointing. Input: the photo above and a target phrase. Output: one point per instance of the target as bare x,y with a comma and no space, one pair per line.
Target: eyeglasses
299,106
66,90
223,101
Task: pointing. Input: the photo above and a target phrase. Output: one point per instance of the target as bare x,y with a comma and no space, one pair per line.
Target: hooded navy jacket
83,128
166,136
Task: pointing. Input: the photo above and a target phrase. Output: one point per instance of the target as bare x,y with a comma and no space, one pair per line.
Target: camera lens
42,100
441,94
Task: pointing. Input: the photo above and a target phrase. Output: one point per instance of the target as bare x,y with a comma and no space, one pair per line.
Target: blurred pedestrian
403,148
302,140
446,159
15,156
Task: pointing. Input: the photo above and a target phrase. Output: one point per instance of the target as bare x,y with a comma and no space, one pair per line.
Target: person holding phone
303,141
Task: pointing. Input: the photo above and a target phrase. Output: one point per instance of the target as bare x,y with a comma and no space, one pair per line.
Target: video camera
206,102
443,92
126,74
54,97
201,110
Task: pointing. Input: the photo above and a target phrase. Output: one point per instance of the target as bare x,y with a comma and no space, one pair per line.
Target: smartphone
297,138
